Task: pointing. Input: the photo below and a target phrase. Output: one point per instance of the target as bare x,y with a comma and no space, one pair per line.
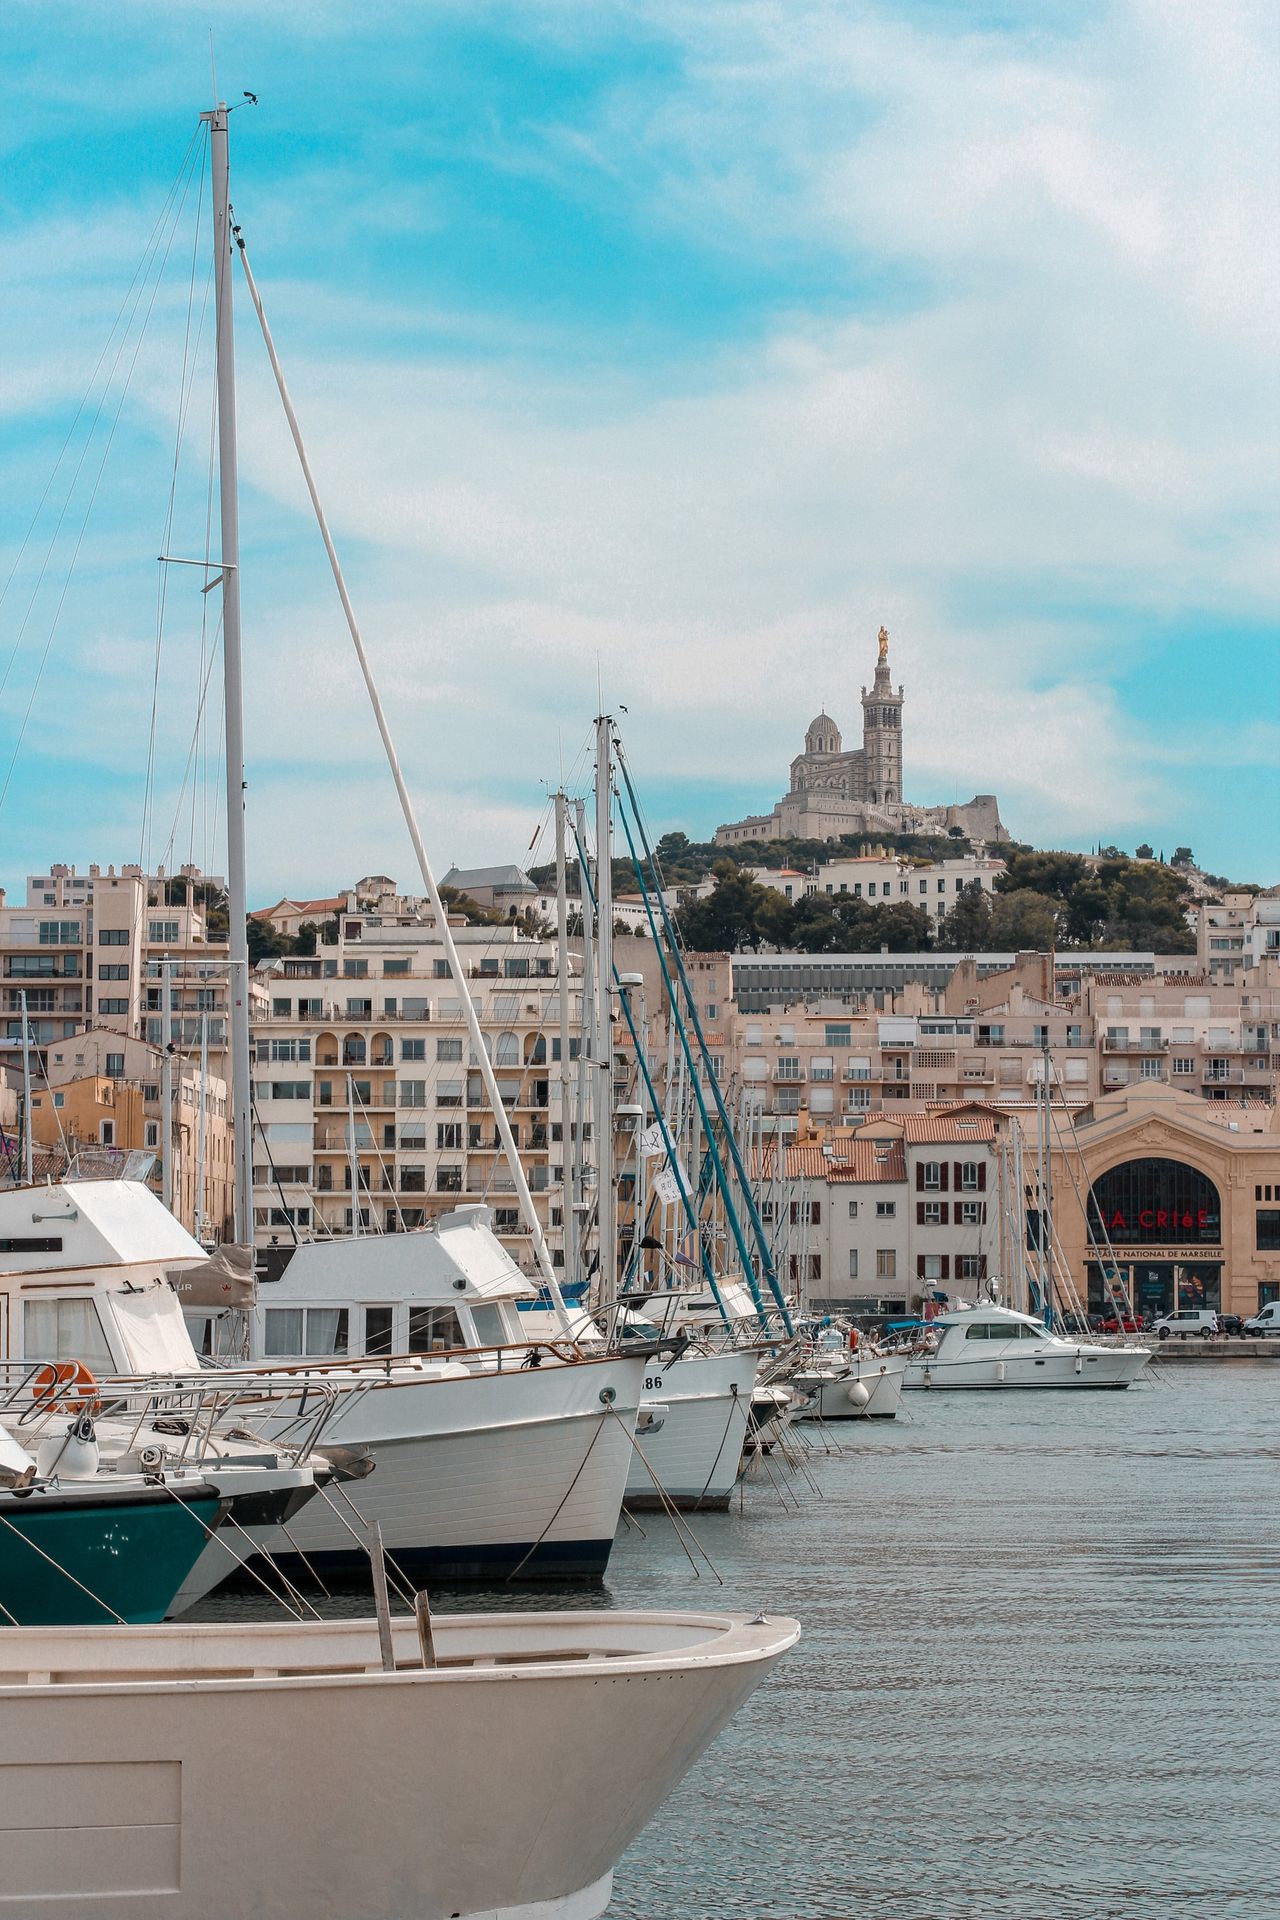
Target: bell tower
882,733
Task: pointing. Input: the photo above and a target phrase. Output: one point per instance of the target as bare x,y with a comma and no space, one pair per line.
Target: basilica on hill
834,792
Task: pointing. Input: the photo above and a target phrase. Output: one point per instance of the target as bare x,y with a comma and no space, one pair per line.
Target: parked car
1266,1320
1118,1323
1231,1323
1186,1322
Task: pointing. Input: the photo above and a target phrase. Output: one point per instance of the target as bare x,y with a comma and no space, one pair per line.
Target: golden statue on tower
884,643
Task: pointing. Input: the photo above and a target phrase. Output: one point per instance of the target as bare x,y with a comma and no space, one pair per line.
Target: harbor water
1040,1673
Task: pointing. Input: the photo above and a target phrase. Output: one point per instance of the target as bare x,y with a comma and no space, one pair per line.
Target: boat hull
828,1396
489,1477
696,1454
79,1558
1098,1370
300,1779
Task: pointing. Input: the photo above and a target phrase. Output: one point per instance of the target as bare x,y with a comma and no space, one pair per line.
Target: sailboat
207,1770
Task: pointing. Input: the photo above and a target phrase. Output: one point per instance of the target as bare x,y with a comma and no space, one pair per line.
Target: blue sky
665,347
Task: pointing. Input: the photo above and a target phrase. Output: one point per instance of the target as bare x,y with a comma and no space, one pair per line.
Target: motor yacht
994,1347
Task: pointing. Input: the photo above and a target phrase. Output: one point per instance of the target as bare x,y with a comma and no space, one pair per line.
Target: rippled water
1039,1677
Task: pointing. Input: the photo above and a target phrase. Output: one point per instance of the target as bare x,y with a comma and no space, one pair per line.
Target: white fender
855,1393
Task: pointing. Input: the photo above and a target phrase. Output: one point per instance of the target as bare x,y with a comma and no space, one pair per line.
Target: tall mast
28,1154
606,1191
584,1092
567,1194
233,691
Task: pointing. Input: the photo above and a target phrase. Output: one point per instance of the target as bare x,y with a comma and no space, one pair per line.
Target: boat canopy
459,1259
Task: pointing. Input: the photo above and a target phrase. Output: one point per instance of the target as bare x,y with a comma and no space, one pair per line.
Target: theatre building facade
1182,1198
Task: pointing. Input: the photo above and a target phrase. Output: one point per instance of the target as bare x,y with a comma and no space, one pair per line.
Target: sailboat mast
233,690
606,1190
567,1193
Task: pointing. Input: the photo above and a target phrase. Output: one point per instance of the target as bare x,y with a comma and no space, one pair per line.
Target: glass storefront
1155,1286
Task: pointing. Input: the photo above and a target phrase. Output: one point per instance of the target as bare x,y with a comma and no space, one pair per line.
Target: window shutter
943,1169
943,1213
815,1212
919,1213
946,1266
982,1176
919,1176
919,1266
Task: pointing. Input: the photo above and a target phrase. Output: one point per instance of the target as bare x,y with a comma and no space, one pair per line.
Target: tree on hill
730,919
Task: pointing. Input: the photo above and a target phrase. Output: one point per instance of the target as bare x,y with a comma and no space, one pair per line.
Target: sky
655,352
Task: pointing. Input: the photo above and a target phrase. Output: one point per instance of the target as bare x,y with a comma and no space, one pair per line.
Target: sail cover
225,1279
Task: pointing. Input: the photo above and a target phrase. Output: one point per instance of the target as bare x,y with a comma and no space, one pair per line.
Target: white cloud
1074,399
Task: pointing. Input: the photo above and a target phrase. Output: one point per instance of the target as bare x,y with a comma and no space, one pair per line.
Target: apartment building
90,949
931,885
370,1112
102,1091
907,1207
1237,932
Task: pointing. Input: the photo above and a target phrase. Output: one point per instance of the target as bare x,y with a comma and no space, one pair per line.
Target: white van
1266,1320
1184,1323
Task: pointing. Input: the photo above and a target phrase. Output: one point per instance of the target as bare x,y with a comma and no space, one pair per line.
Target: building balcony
1125,1045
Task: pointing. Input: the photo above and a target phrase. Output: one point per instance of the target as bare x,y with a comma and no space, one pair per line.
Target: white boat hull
829,1396
487,1477
696,1454
1092,1368
194,1773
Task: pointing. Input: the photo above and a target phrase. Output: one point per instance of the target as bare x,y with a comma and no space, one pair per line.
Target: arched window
507,1050
353,1050
1154,1203
872,796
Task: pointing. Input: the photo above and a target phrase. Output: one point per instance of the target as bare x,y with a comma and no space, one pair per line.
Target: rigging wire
92,380
186,387
97,482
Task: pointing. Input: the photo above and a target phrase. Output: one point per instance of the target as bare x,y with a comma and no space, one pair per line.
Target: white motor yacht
993,1347
495,1768
491,1469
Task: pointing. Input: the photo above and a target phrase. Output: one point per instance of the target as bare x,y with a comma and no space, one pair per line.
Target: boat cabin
452,1284
85,1274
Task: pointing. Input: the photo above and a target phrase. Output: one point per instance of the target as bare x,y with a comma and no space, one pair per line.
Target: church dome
823,735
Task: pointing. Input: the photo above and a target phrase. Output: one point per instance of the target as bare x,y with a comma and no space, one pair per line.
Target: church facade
834,792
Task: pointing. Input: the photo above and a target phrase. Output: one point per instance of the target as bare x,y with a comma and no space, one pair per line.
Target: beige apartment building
370,1112
100,1096
968,1030
1238,932
89,949
908,1206
931,885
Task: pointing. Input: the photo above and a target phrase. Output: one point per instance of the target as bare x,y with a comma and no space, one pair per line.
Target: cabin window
379,1329
998,1330
490,1327
65,1330
432,1329
293,1331
283,1332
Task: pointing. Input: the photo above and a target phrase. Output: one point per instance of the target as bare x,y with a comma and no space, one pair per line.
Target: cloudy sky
661,348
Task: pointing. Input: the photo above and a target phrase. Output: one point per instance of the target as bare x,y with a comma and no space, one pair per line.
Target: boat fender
855,1393
72,1455
1000,1370
1079,1363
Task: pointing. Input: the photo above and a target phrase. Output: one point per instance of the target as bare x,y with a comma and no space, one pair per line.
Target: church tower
882,734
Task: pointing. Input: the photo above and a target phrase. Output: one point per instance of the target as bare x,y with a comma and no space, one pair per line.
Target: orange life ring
66,1386
853,1339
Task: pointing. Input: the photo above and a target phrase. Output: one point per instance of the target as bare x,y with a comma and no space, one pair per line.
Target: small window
886,1209
853,1209
379,1329
433,1329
